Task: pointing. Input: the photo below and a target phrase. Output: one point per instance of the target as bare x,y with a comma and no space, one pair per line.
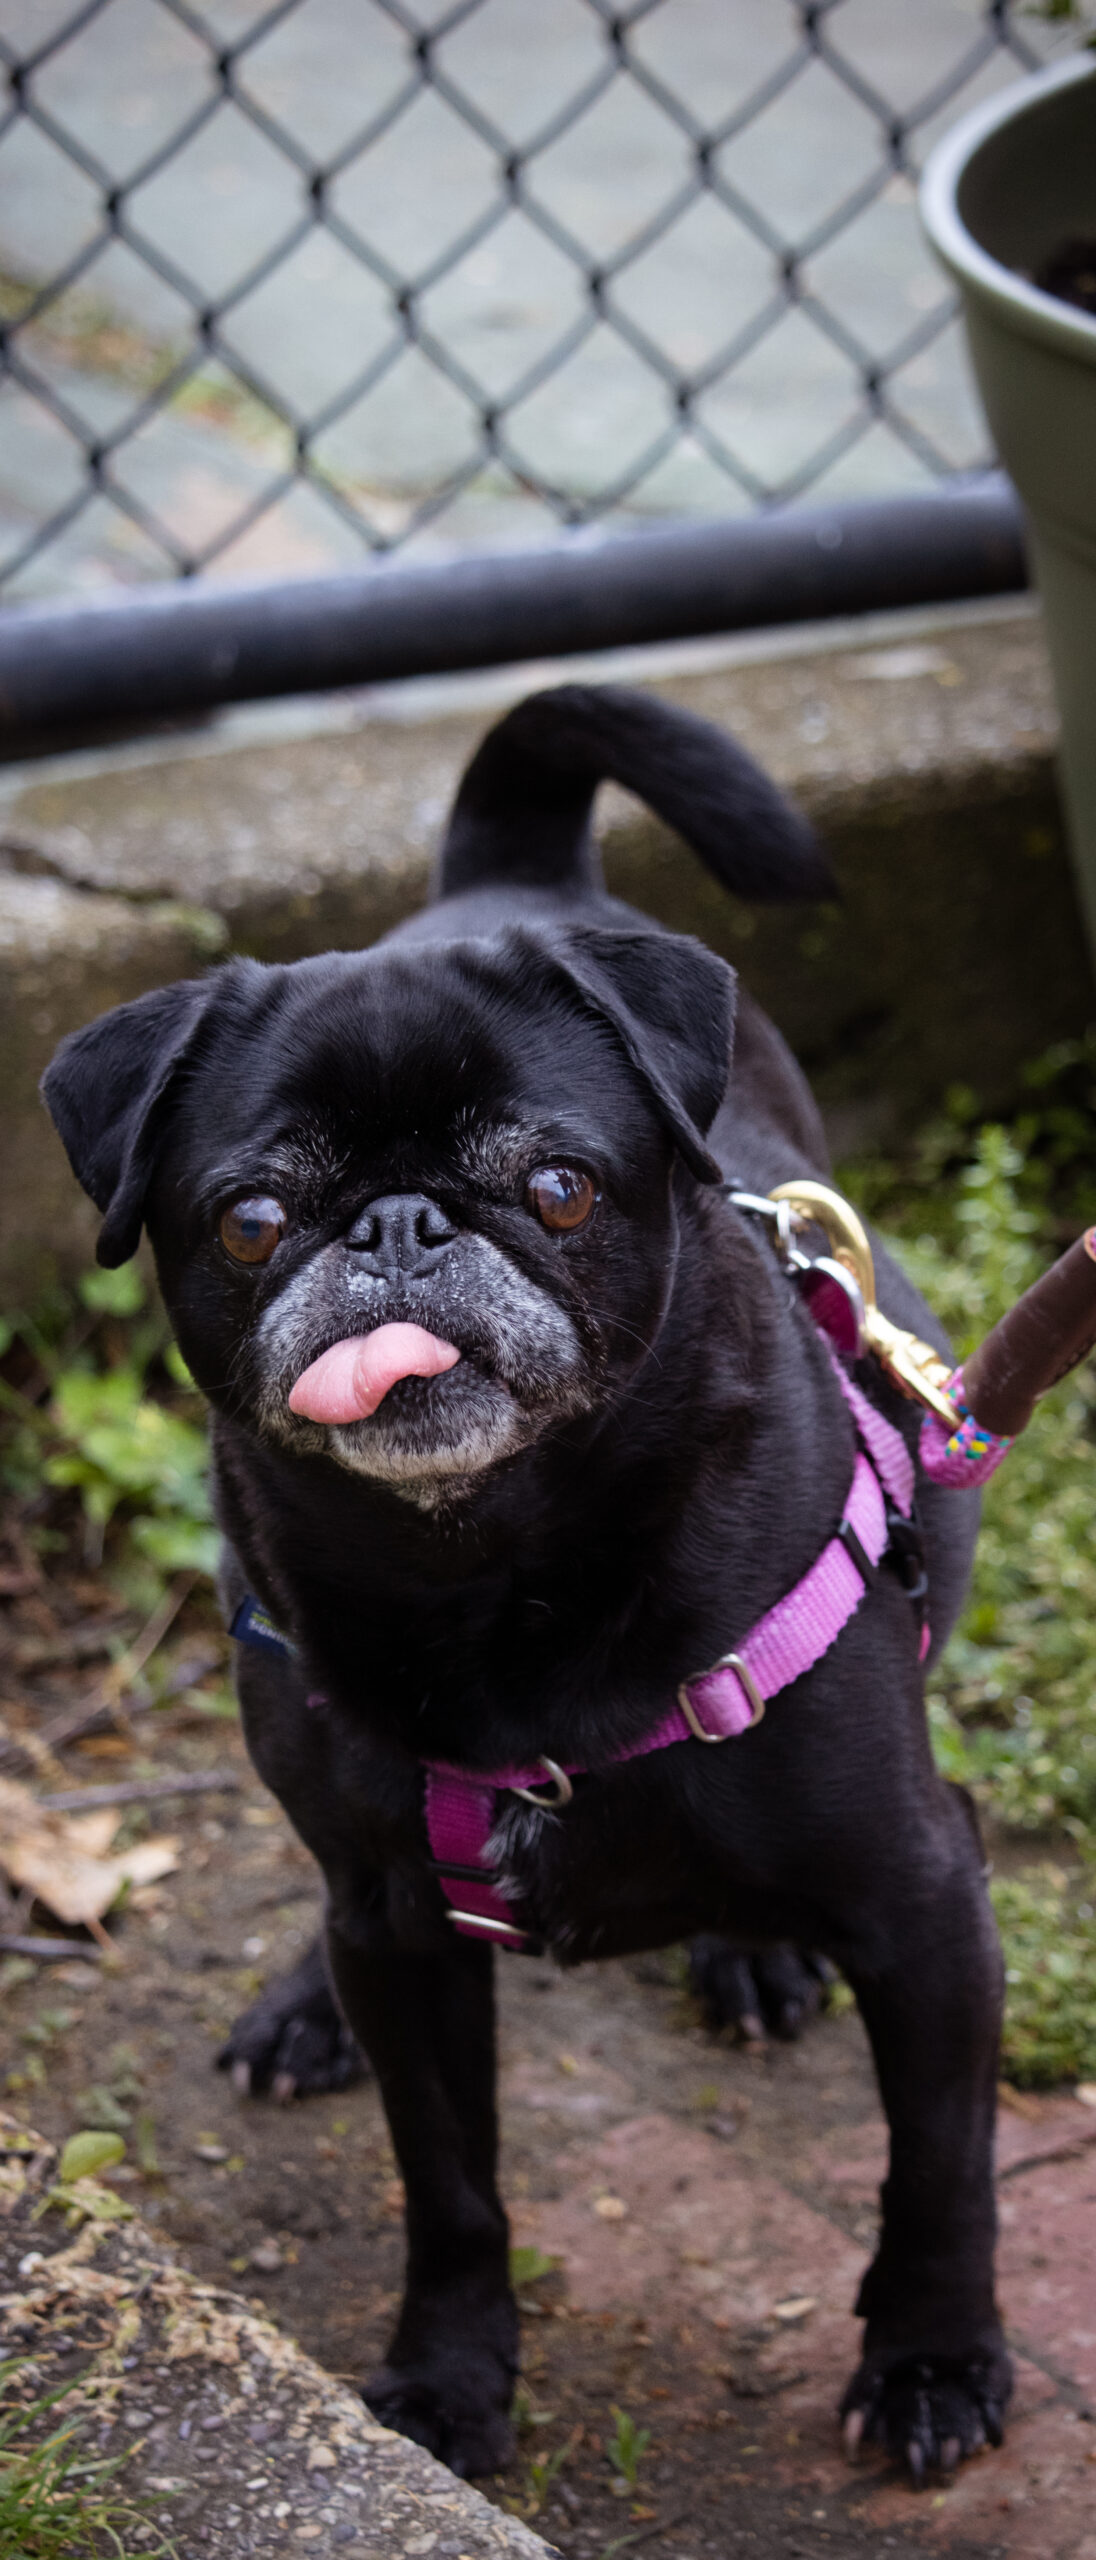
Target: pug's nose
401,1237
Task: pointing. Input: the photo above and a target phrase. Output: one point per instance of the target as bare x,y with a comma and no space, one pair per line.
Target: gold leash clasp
915,1367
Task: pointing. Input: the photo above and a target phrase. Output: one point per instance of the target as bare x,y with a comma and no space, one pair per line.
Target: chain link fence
280,283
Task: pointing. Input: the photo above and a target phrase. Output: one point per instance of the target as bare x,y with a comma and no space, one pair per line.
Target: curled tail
523,811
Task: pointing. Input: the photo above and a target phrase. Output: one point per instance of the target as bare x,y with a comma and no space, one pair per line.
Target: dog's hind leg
935,2377
426,2021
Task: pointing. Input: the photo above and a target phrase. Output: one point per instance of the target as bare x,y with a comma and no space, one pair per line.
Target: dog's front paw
773,1991
440,2407
929,2411
293,2040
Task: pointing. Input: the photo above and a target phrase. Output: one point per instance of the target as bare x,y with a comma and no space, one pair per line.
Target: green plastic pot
1007,186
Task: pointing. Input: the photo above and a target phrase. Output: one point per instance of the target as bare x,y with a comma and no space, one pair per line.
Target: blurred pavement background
477,269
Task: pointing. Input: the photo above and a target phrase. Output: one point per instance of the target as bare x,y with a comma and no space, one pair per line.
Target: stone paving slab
249,2447
655,2214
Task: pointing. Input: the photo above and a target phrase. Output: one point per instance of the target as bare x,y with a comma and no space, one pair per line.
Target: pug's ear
106,1089
671,1004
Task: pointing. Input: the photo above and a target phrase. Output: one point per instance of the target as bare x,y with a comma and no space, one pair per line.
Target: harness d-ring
561,1782
744,1675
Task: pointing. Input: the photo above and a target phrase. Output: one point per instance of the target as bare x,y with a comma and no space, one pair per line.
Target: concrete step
921,743
233,2437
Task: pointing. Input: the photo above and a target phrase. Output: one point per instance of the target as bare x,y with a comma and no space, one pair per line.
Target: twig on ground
95,1717
51,1950
141,1791
646,2533
125,1670
80,1644
98,1717
1082,2140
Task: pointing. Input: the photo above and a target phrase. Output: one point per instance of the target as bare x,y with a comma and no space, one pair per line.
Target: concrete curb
237,2442
64,957
922,744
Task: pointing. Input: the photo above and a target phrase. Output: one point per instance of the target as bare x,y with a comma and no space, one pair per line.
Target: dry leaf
63,1858
93,1832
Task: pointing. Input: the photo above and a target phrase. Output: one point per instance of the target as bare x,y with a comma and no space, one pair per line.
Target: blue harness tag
252,1624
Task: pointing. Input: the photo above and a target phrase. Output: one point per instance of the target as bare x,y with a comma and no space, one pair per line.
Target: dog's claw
929,2412
773,1992
789,2023
293,2040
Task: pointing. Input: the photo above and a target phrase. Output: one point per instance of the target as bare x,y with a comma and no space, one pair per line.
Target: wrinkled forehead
372,1051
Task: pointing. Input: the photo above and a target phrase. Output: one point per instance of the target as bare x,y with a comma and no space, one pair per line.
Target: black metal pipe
178,649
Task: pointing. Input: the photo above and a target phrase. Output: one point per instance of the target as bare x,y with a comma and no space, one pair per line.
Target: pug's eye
250,1230
561,1197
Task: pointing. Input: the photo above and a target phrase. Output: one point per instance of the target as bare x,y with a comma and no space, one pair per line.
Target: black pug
519,1425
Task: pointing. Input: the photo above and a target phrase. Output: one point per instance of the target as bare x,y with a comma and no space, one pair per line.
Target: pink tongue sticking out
348,1382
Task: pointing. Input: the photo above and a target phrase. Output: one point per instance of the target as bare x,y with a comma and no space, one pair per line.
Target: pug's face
458,1146
403,1154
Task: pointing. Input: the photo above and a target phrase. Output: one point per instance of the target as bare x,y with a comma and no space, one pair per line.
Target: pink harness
462,1807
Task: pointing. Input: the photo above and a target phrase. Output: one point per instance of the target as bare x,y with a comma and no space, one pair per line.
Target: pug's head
414,1207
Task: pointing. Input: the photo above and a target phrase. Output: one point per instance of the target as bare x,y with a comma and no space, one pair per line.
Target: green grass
56,2501
1048,1925
95,1401
974,1211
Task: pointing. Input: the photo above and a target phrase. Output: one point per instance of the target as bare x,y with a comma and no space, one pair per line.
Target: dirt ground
705,2209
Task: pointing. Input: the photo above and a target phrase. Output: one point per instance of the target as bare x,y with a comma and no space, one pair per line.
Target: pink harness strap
460,1812
883,1442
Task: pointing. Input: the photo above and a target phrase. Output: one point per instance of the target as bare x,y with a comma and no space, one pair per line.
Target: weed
107,2107
1011,1701
1046,1923
144,2135
627,2448
527,2266
526,2416
107,1410
55,2502
540,2471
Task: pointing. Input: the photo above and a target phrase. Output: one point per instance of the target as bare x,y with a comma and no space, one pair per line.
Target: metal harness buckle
507,1930
727,1662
